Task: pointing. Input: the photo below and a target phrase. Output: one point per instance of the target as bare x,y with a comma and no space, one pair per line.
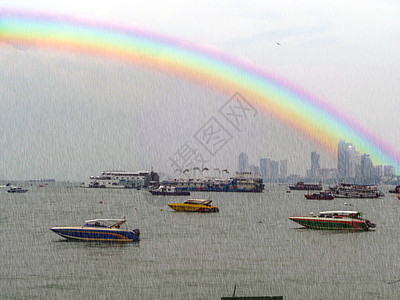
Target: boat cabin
340,214
198,201
106,223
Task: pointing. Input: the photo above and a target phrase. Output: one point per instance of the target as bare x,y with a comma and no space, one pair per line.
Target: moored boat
194,205
17,190
169,191
335,220
327,195
111,230
301,186
396,190
122,180
349,190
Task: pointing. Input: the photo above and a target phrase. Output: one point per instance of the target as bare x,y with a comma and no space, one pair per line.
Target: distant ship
43,180
242,182
349,190
306,186
122,180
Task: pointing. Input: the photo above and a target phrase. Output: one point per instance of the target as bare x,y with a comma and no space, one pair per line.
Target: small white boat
169,191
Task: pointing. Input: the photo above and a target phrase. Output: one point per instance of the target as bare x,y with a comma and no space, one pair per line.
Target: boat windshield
106,223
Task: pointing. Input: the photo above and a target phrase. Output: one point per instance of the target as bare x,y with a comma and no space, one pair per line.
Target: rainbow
320,122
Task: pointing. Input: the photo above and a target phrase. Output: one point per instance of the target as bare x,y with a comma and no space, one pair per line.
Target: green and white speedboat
335,220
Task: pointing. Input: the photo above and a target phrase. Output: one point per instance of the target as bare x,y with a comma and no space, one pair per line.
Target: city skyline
350,165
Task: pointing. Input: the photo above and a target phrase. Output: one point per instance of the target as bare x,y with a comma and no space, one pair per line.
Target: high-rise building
349,160
341,164
314,164
254,170
389,171
265,168
352,164
283,170
243,162
274,169
367,166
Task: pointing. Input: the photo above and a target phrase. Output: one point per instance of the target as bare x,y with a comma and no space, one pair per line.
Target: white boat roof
105,220
197,200
339,212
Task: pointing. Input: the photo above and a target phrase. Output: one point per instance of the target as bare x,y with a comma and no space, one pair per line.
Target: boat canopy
109,223
343,213
198,201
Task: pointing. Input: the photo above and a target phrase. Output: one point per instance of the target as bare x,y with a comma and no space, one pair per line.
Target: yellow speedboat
194,205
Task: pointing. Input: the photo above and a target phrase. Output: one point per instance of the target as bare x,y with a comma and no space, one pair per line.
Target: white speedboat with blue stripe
110,230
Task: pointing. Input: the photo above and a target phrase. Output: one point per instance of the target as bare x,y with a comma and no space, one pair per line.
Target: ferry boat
122,179
301,186
194,205
327,195
335,220
242,182
348,190
112,230
163,190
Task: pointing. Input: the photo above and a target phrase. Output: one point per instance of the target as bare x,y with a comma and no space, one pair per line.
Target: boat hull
356,195
331,224
319,197
160,193
97,234
17,191
193,208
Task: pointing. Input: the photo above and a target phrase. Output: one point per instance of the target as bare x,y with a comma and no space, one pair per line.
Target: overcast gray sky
67,116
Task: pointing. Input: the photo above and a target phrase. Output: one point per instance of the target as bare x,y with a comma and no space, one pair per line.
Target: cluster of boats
14,189
115,230
338,220
341,190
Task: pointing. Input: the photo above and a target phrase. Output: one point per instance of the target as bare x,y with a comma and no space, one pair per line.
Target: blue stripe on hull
97,235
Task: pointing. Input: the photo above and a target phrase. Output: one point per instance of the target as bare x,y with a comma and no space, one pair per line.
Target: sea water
250,243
